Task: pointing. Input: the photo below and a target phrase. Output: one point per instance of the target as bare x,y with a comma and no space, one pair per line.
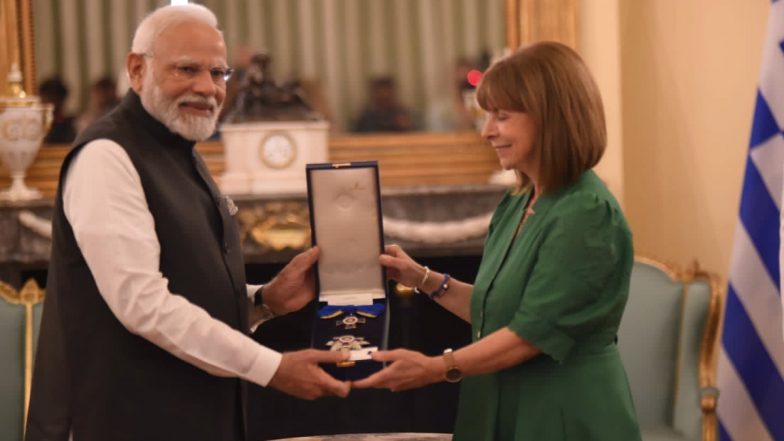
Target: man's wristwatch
453,373
258,300
258,303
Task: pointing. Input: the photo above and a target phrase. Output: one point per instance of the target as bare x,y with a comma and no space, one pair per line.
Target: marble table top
376,437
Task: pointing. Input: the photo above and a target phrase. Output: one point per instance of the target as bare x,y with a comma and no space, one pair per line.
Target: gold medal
346,343
350,322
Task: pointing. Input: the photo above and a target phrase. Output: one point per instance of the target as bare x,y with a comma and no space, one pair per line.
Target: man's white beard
167,111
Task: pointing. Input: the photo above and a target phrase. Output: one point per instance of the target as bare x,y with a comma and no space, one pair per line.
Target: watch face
278,150
453,375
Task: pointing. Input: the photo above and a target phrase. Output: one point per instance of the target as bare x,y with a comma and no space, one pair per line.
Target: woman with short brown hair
533,81
554,279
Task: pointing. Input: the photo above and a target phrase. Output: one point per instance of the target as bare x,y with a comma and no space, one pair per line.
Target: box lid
345,216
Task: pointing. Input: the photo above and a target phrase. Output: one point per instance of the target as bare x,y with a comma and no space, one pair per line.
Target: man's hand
408,370
299,375
294,287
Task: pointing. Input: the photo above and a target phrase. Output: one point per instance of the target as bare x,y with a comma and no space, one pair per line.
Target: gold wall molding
27,56
528,21
9,45
16,32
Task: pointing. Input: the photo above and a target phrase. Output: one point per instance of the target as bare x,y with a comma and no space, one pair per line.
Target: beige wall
599,44
688,74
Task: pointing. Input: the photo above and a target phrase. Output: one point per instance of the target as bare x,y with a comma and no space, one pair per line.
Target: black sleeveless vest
91,373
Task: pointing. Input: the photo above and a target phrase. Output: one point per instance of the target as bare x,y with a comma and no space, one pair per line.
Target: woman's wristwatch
453,374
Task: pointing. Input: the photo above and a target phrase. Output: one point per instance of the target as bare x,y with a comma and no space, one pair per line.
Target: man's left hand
294,287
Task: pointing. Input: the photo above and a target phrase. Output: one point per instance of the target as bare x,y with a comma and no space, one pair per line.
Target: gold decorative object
277,225
528,21
24,122
403,290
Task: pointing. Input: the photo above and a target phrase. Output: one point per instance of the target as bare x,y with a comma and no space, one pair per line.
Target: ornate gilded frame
710,337
16,17
30,295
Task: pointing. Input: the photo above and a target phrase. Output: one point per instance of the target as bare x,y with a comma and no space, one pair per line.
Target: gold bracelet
424,279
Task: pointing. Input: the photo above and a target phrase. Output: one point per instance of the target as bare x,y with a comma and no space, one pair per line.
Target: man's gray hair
162,18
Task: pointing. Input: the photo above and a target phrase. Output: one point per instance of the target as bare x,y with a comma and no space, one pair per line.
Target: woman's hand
400,267
407,370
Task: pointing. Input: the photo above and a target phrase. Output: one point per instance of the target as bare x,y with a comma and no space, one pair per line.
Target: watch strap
452,373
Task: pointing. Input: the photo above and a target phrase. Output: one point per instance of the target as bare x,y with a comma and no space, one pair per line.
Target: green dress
562,285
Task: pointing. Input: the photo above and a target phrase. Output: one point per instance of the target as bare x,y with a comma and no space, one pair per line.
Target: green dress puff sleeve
580,254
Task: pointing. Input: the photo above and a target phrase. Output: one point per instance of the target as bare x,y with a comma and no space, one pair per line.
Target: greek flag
751,360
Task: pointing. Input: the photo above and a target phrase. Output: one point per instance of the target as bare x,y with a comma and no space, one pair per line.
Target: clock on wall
270,156
278,150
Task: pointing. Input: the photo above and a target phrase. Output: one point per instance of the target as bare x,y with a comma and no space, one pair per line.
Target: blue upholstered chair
668,341
20,317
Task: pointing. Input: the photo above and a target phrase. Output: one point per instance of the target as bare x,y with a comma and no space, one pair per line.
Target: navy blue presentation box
345,220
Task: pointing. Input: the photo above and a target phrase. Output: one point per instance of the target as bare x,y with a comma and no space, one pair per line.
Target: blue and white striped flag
751,360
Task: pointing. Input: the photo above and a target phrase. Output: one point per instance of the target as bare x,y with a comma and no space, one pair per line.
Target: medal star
350,322
346,342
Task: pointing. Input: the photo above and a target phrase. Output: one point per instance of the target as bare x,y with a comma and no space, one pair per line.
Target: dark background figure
456,109
462,117
241,62
259,97
384,112
103,98
54,91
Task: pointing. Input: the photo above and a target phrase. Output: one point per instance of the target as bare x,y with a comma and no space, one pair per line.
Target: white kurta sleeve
104,202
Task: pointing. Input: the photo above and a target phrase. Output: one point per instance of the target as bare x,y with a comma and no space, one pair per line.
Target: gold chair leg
28,372
29,296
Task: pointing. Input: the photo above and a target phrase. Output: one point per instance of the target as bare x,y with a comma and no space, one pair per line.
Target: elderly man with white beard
144,332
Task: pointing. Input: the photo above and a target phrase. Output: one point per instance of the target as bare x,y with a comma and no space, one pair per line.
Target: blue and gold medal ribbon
369,311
